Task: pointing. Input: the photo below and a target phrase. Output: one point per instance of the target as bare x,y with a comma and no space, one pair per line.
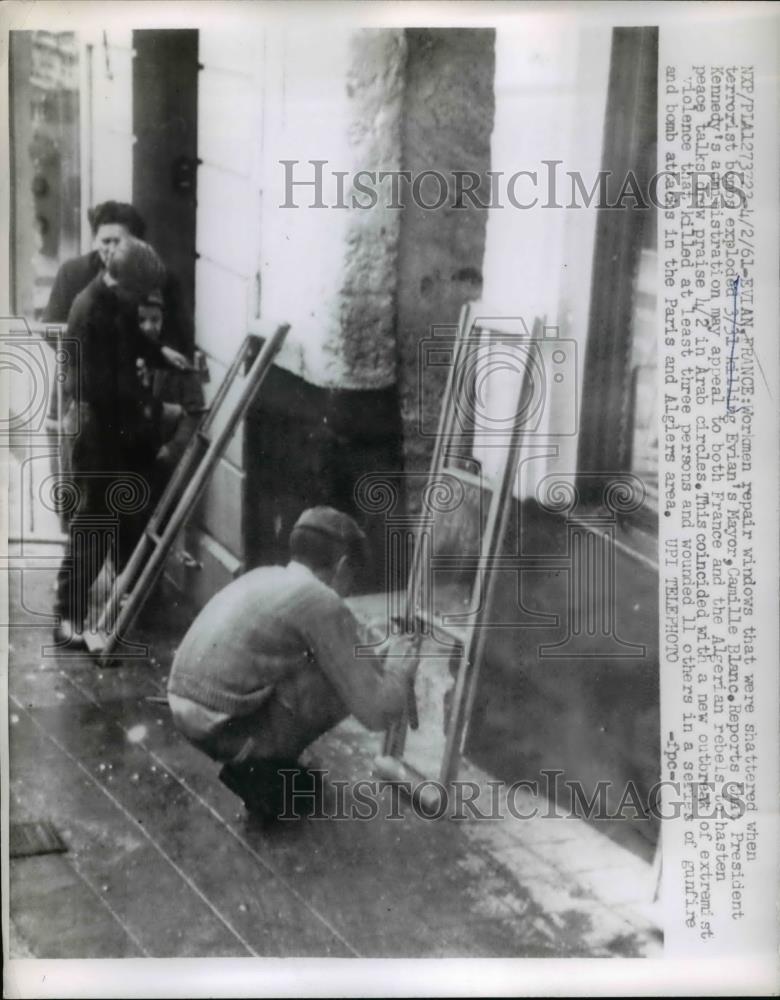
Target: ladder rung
95,642
472,478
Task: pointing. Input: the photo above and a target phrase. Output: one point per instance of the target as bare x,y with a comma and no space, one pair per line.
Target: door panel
165,123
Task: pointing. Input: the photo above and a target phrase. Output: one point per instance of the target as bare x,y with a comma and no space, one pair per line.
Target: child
179,394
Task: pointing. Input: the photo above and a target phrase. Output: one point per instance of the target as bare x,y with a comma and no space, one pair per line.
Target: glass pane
46,164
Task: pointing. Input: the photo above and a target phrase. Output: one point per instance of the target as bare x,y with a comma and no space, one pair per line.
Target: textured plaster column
329,267
448,118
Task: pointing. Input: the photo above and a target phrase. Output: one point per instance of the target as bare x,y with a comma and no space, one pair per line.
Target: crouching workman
270,664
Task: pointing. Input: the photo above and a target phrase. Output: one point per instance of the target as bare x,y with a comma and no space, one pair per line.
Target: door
165,124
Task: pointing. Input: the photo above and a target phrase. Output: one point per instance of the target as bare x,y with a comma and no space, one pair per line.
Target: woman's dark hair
136,268
117,213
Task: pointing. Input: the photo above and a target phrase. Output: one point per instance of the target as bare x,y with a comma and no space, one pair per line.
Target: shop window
45,162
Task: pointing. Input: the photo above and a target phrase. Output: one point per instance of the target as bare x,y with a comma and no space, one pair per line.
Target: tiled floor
161,860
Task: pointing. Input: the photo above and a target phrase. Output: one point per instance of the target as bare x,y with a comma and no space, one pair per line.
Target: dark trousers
109,511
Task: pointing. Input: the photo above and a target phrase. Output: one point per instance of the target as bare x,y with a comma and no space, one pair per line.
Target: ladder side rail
126,580
395,736
505,501
191,458
226,384
200,438
260,368
444,433
448,412
59,396
484,590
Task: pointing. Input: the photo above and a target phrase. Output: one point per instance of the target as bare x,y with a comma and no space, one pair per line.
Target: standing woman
117,434
111,222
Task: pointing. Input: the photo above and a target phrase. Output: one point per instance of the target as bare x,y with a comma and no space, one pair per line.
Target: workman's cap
333,523
136,268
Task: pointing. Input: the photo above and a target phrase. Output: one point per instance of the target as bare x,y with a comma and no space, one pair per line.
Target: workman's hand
402,655
176,359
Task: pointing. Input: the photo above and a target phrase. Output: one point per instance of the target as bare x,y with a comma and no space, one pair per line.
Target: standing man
270,663
111,222
117,429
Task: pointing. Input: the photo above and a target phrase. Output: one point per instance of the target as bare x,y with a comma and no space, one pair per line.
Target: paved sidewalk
162,861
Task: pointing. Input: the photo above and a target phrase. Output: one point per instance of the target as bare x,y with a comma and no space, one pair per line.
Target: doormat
28,839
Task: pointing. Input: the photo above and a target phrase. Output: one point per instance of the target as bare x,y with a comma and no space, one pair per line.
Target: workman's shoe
68,634
274,789
260,797
301,790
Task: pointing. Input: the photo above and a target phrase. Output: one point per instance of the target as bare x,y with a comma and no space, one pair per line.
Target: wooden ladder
131,589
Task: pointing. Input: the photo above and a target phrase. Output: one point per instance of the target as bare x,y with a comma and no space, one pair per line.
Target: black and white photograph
346,362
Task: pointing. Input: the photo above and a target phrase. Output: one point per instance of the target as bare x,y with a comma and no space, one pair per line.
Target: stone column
448,118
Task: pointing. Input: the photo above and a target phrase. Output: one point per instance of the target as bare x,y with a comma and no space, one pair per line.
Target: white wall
302,248
551,85
230,107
